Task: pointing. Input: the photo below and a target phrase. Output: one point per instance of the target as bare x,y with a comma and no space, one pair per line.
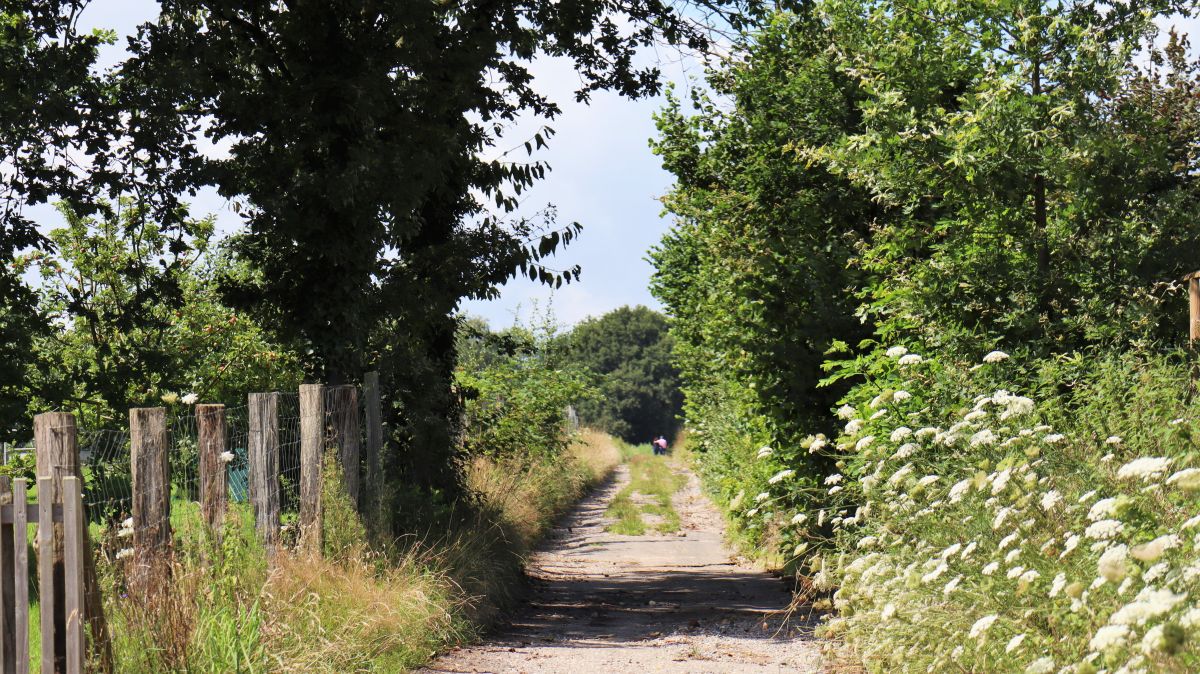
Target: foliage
516,402
138,320
630,350
1055,529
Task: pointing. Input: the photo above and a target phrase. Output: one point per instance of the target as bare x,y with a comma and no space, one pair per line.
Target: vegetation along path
657,602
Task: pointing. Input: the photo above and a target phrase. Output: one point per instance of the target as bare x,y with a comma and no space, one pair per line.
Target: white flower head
124,552
910,359
1109,637
995,357
984,438
900,434
981,626
896,351
1050,500
1104,529
189,399
1113,440
1145,468
781,476
1014,643
226,457
846,412
1187,479
901,396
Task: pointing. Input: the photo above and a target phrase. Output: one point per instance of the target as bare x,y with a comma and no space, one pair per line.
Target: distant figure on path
660,445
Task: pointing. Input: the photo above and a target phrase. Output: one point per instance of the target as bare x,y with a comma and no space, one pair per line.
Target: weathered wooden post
347,424
210,434
1193,281
374,448
8,601
56,441
312,449
148,444
263,447
73,561
57,451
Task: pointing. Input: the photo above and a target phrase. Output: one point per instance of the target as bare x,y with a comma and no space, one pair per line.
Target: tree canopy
630,350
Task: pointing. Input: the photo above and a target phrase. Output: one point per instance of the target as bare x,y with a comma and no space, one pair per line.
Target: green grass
653,480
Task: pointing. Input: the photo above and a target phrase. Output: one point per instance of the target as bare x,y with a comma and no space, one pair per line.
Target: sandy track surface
680,602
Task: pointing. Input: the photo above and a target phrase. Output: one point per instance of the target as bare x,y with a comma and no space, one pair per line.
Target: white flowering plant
985,529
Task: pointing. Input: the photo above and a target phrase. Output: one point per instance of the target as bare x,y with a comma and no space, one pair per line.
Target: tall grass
386,607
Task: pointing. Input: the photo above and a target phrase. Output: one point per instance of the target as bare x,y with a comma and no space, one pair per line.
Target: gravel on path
678,602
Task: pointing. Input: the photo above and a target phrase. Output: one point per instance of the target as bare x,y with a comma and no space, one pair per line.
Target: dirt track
604,602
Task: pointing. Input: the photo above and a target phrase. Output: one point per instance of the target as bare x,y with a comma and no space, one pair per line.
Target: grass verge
221,607
651,485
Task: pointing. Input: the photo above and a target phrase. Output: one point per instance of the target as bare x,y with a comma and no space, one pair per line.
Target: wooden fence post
263,444
73,556
20,603
343,412
1193,281
210,434
374,448
148,443
8,601
56,441
312,454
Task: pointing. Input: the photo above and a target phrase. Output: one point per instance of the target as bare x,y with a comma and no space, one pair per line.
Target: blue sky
603,176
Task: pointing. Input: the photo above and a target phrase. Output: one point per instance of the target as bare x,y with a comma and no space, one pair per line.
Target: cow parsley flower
1145,468
1187,479
896,351
781,476
189,399
981,626
1050,500
834,479
1014,643
959,490
995,357
1109,637
990,568
910,359
900,433
1113,440
1112,564
864,442
984,437
1103,508
226,457
1053,438
901,396
762,496
764,452
1104,529
846,412
854,426
1151,551
1057,585
1043,665
799,518
1150,603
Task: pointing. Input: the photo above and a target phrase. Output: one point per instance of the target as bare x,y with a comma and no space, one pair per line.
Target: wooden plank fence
330,417
63,644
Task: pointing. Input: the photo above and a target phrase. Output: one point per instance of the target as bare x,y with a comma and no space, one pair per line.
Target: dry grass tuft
357,614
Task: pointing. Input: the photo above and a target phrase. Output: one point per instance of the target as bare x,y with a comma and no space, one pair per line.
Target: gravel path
678,602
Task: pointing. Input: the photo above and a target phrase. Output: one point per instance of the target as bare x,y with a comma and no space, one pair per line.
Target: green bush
1008,516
